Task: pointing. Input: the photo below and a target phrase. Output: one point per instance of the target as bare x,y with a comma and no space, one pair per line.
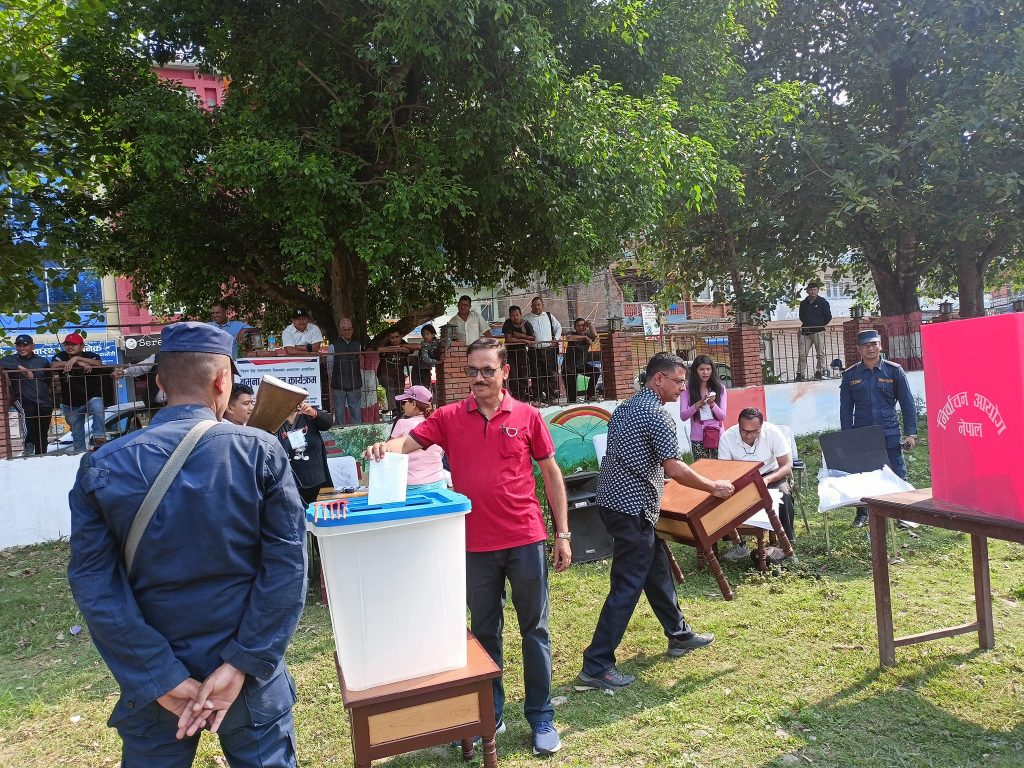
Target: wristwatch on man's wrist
564,535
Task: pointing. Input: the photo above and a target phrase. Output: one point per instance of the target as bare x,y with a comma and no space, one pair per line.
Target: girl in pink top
703,403
425,470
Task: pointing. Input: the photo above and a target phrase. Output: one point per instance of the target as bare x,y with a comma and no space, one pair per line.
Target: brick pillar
6,448
901,340
745,356
617,368
452,384
850,330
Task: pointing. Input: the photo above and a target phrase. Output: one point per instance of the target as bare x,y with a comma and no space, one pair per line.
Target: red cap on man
73,338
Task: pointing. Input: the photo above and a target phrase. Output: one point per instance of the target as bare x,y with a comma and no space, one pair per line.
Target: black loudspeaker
590,539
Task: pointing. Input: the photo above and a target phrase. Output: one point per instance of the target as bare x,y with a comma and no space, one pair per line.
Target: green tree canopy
369,159
915,152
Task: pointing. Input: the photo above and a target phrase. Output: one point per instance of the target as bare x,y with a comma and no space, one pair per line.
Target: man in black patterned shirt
642,450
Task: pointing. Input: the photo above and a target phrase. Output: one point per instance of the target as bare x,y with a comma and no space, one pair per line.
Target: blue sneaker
545,738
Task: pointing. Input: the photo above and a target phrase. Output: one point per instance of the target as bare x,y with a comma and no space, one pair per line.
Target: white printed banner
298,371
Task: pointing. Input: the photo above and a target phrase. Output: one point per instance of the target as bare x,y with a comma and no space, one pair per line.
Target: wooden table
919,507
426,711
698,519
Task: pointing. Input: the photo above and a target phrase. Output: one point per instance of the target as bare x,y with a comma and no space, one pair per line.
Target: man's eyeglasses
487,373
679,382
750,431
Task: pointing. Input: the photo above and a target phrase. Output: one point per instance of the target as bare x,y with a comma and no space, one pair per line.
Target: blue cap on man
23,338
190,336
866,337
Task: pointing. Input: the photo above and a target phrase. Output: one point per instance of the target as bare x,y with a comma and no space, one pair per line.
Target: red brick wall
617,366
6,448
452,384
745,356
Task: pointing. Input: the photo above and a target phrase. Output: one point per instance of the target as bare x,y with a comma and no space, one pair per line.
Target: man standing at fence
492,440
468,325
544,351
85,384
232,326
346,376
815,314
642,451
868,395
30,379
518,333
195,626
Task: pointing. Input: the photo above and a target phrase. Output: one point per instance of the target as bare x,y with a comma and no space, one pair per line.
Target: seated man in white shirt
754,439
301,337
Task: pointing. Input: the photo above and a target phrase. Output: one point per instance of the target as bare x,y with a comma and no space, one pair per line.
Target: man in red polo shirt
492,440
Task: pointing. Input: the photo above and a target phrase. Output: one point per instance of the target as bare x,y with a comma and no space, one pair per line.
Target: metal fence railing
788,355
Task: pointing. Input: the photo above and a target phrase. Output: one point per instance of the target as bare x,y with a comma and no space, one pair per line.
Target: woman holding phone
703,402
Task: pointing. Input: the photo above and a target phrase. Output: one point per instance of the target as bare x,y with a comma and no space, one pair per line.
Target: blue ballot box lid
417,504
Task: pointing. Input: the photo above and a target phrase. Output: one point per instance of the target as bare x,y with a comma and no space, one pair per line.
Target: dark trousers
519,373
420,376
544,371
258,731
37,424
394,385
571,390
639,565
526,569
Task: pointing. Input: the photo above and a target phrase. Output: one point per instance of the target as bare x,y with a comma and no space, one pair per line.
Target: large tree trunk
896,277
970,280
349,285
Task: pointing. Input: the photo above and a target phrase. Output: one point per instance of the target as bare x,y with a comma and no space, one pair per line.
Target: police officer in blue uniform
195,631
868,395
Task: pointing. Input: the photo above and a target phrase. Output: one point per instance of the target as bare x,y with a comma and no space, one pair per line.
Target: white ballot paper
388,479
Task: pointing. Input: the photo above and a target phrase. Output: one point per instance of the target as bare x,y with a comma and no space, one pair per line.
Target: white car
119,419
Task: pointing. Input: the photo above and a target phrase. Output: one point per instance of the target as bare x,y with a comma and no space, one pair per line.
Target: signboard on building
637,314
105,348
140,347
298,371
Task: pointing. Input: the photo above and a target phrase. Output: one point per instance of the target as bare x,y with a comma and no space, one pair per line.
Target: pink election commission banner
974,383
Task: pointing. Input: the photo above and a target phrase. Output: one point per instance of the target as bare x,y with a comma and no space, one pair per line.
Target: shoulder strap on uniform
159,490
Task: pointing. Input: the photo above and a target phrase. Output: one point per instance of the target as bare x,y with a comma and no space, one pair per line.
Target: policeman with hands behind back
868,395
195,628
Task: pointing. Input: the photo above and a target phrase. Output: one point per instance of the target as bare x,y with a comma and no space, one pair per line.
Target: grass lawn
793,678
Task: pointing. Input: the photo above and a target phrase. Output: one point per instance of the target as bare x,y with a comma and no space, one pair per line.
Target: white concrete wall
34,491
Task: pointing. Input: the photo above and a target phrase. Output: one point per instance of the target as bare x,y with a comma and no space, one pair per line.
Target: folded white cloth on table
837,489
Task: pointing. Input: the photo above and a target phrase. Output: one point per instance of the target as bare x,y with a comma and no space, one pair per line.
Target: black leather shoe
861,519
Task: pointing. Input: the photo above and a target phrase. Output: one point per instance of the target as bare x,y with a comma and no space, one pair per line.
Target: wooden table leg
883,597
982,592
780,532
490,753
716,570
761,554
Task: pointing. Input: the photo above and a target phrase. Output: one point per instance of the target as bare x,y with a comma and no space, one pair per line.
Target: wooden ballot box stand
427,711
698,519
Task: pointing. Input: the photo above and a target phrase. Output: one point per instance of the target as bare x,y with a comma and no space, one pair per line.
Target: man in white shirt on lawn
754,439
301,337
544,351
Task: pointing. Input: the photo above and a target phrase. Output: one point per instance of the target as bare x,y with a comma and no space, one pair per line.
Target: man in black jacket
815,314
30,378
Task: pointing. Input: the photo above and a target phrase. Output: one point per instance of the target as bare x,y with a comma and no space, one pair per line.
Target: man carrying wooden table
642,450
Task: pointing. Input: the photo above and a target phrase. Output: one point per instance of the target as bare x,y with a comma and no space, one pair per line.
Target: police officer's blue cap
866,337
197,337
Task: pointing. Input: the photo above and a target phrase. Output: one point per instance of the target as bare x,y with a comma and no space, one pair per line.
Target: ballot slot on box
974,386
396,584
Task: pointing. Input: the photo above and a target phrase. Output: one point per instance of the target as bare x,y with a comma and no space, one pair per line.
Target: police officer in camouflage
868,395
